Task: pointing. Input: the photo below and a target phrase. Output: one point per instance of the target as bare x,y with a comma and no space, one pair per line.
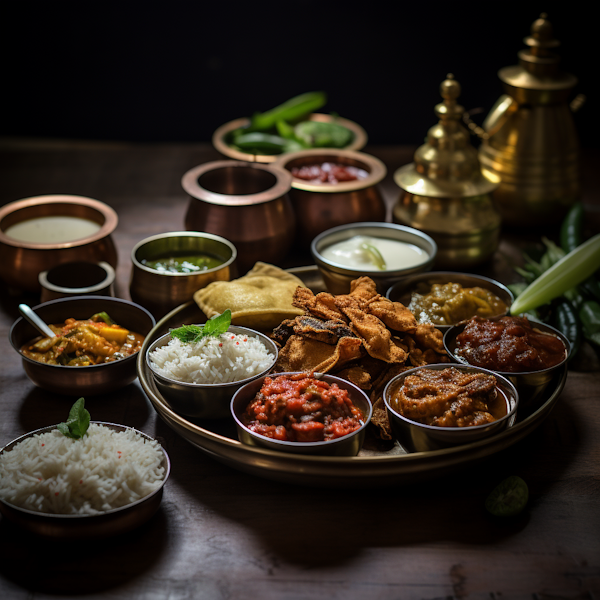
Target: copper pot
21,262
246,203
322,206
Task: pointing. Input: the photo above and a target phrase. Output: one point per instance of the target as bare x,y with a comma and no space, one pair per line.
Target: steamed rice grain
223,359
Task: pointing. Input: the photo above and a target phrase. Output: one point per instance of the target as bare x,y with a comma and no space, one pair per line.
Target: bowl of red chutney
303,413
527,352
442,405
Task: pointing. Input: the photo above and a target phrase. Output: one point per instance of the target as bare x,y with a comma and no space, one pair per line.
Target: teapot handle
577,102
496,118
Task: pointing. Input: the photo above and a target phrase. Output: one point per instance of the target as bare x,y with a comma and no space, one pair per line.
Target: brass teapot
530,142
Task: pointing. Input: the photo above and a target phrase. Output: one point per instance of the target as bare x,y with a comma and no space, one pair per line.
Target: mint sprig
78,422
189,334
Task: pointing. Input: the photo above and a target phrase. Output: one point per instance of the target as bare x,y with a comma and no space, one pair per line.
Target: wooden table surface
223,534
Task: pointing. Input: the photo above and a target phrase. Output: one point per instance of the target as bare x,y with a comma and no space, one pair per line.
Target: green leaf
78,422
194,333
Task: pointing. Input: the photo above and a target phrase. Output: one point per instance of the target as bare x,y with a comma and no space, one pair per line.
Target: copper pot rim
110,220
375,167
199,234
190,184
218,138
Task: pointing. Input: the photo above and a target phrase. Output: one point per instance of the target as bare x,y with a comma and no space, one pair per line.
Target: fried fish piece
427,336
363,288
394,314
324,331
356,375
321,306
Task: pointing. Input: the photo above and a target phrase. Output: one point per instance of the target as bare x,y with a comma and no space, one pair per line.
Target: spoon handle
36,321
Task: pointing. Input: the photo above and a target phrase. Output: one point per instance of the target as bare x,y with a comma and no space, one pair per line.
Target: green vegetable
374,255
568,272
317,134
78,422
509,498
589,313
565,319
285,130
260,143
571,228
102,316
291,110
194,333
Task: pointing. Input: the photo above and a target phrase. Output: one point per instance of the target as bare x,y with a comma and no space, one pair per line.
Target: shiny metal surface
160,292
531,143
93,379
348,445
247,203
319,207
403,289
338,278
221,134
35,320
77,279
418,437
368,469
22,262
86,527
208,401
531,385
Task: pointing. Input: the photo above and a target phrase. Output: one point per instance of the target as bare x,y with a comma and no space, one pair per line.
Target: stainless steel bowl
204,401
348,445
160,292
93,379
86,527
338,278
530,384
21,262
418,437
402,290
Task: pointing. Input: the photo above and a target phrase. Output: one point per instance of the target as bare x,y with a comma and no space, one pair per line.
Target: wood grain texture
222,534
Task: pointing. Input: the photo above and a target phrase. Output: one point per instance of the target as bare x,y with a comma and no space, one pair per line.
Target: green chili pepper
565,319
285,130
260,143
571,228
589,313
291,110
102,316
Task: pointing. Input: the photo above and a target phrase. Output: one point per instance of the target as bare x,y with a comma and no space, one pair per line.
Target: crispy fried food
363,288
394,314
322,305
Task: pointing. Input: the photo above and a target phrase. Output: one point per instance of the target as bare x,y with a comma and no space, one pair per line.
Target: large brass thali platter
370,468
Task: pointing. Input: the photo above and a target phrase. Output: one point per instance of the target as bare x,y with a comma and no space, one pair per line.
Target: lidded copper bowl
22,261
247,203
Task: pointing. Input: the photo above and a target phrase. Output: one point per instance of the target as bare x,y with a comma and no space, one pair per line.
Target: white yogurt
52,229
356,253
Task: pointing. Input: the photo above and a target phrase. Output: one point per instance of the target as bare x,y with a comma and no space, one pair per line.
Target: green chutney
183,264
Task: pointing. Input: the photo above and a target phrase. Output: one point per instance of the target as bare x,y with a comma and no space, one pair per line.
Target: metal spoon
28,313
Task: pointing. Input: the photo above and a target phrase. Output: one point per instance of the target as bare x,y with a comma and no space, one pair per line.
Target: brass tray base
371,468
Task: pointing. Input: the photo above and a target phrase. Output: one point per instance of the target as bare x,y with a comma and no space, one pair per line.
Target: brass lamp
444,192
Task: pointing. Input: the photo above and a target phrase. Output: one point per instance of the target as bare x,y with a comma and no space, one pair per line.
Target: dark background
176,71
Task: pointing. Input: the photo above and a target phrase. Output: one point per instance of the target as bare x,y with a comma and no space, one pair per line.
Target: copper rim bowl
160,291
338,277
418,437
205,401
87,527
220,136
21,262
348,445
403,289
529,384
93,379
321,206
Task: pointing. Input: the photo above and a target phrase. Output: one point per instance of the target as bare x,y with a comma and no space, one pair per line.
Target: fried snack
261,299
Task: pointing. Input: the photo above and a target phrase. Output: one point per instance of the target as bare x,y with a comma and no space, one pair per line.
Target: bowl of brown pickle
445,298
442,405
94,349
527,352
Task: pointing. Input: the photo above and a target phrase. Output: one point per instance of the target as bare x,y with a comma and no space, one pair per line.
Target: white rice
222,359
105,469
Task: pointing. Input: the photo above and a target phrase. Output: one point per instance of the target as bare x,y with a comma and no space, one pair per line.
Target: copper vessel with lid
444,192
530,141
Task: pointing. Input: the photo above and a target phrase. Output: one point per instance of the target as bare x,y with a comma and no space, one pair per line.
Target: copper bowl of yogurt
41,232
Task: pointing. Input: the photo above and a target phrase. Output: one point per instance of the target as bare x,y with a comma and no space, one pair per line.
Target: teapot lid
538,67
447,165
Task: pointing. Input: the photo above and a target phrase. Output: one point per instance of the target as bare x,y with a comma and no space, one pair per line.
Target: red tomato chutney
328,173
300,408
508,345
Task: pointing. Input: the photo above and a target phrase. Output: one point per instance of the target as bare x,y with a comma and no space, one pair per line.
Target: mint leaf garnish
78,422
194,333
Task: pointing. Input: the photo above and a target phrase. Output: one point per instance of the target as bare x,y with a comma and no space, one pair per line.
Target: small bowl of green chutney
168,268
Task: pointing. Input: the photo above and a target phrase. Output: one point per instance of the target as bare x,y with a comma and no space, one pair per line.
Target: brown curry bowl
93,379
248,203
418,437
348,445
321,206
21,262
530,384
222,134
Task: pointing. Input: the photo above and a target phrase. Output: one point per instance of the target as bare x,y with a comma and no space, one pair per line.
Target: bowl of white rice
198,379
106,483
